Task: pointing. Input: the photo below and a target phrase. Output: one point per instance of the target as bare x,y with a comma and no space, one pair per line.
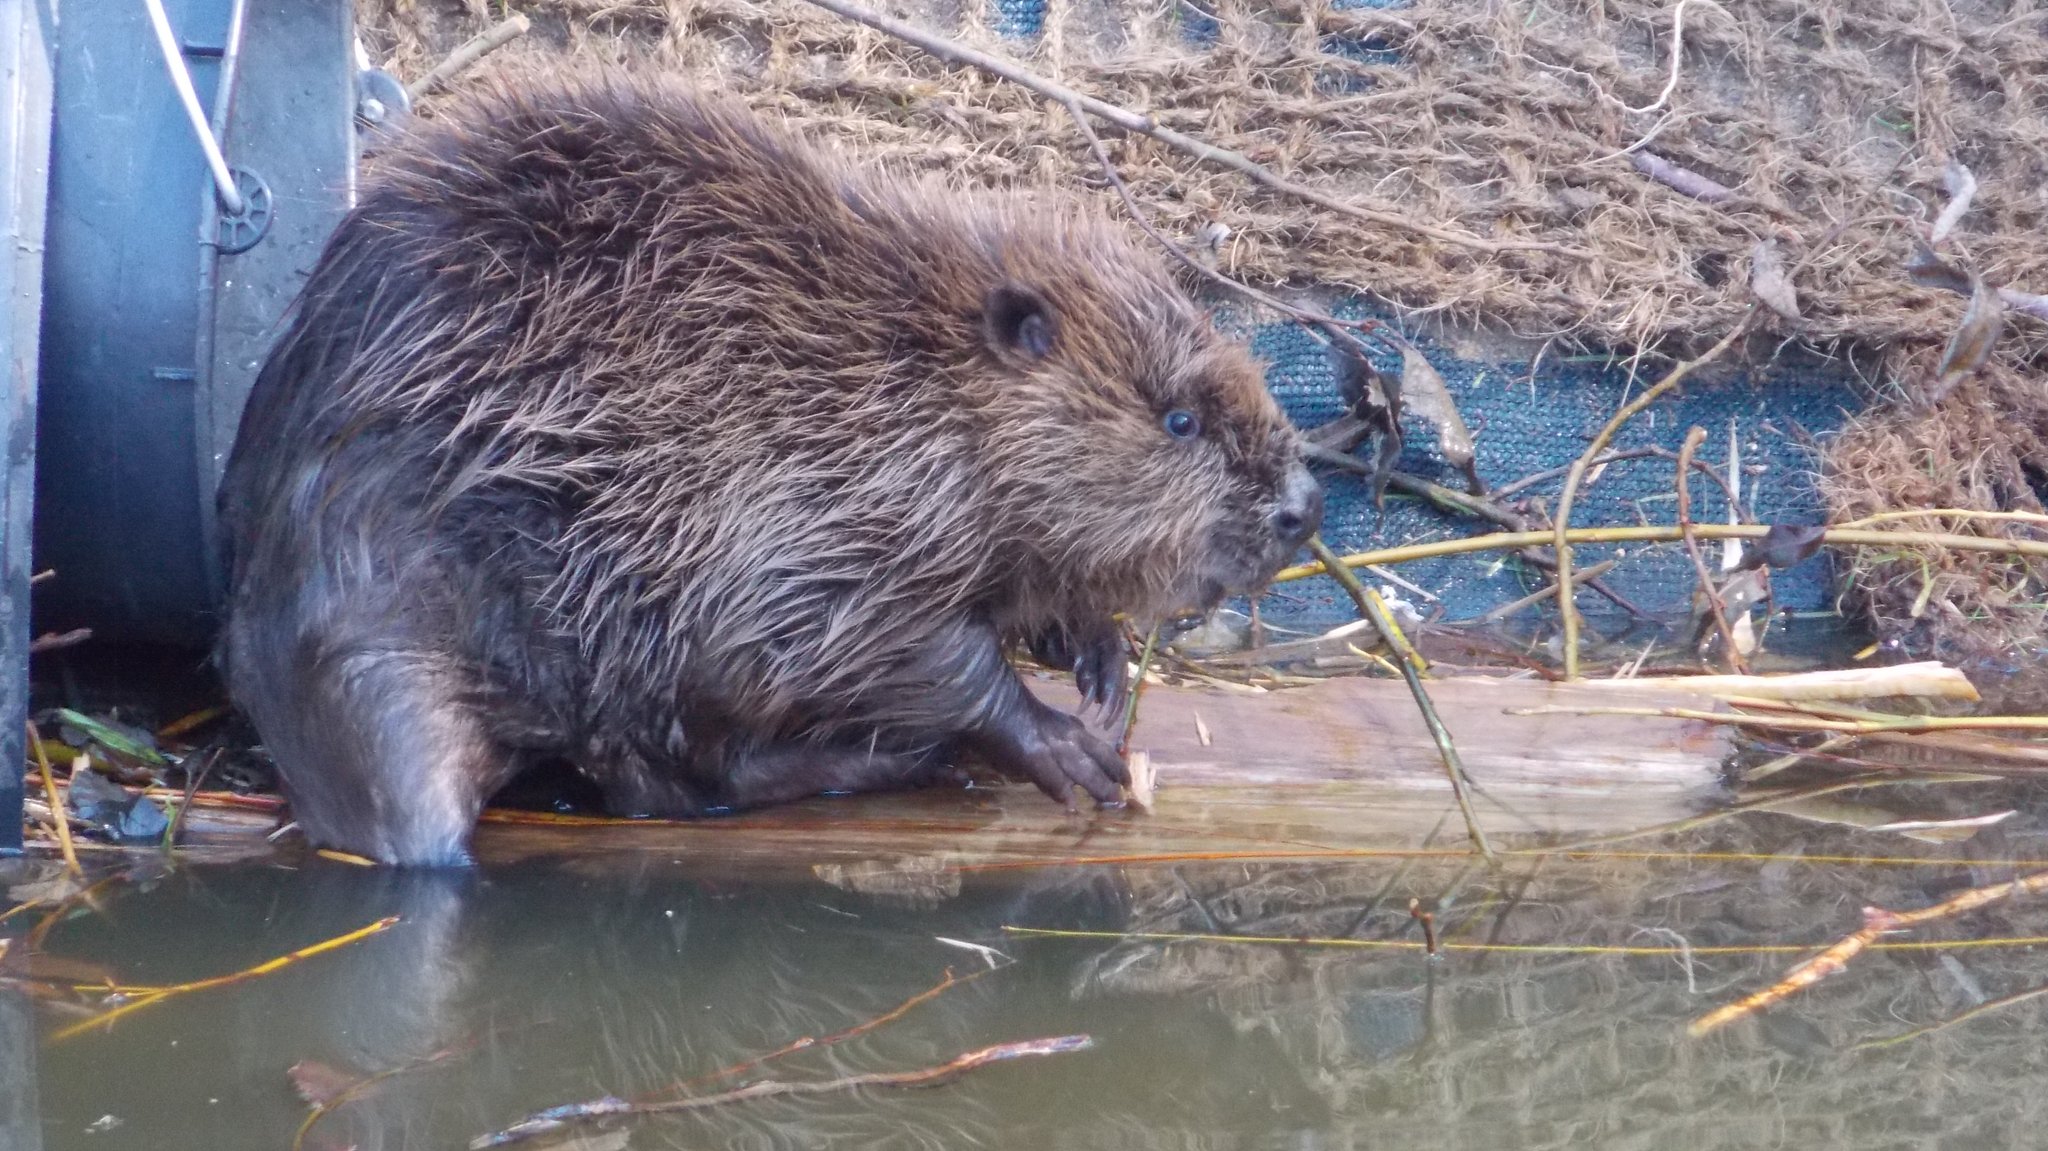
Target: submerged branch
1876,922
556,1118
148,996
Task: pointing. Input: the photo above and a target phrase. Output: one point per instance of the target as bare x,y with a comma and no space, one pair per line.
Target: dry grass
1830,122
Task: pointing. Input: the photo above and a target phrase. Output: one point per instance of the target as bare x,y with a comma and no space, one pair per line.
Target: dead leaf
1430,399
1372,397
1961,187
320,1084
1768,279
1945,830
1931,271
1831,810
1785,545
1974,339
1926,269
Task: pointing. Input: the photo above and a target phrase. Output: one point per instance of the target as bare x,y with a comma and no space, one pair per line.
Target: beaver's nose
1299,513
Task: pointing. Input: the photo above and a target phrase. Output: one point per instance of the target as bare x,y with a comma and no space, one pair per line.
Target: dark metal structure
172,168
170,260
27,48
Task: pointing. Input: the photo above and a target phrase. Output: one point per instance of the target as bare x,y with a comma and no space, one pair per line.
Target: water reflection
524,986
20,1130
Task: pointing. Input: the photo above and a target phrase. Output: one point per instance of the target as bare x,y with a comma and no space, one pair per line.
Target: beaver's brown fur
615,425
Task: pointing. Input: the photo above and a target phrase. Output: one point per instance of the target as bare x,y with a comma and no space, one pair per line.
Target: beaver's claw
1098,657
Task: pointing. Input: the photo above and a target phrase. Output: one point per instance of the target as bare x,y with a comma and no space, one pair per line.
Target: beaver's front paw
1057,752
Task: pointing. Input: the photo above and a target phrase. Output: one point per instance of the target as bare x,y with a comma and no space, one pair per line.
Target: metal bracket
243,230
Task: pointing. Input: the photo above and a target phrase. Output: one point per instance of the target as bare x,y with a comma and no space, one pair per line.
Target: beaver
618,426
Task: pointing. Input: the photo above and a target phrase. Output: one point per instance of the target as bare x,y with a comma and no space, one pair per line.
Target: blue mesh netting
1020,18
1524,427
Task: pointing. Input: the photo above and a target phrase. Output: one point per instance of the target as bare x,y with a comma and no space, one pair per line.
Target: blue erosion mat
1526,423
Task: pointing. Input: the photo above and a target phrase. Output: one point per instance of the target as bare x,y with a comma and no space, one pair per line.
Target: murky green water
520,987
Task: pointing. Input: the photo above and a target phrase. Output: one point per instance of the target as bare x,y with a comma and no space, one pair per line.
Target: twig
1541,594
2035,518
1485,507
63,821
555,1118
1130,720
185,723
59,640
2028,302
192,787
1428,921
1561,536
1313,317
807,1043
1928,679
1715,604
1684,181
956,53
1529,481
1876,922
147,996
476,48
1802,722
360,1087
1373,608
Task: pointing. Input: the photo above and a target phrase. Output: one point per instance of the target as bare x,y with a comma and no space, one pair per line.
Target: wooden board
1344,766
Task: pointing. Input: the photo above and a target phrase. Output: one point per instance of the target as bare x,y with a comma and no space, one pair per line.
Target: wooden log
1340,769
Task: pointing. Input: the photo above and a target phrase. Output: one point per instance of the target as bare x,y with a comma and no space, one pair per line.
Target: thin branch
1664,533
35,739
1373,608
1486,507
476,48
1715,604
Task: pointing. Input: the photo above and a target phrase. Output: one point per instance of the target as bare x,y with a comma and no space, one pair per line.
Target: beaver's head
1141,464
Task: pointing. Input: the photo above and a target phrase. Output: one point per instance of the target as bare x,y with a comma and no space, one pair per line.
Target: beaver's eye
1182,424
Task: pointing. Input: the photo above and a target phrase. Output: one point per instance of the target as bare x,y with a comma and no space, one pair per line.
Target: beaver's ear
1017,321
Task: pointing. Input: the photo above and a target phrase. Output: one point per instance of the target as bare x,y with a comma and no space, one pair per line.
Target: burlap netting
1525,127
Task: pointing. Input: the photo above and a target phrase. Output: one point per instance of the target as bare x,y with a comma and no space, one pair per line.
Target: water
565,977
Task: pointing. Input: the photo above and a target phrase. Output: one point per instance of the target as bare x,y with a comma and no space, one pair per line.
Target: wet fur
615,425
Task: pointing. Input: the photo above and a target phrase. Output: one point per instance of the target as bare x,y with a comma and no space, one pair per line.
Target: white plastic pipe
181,79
